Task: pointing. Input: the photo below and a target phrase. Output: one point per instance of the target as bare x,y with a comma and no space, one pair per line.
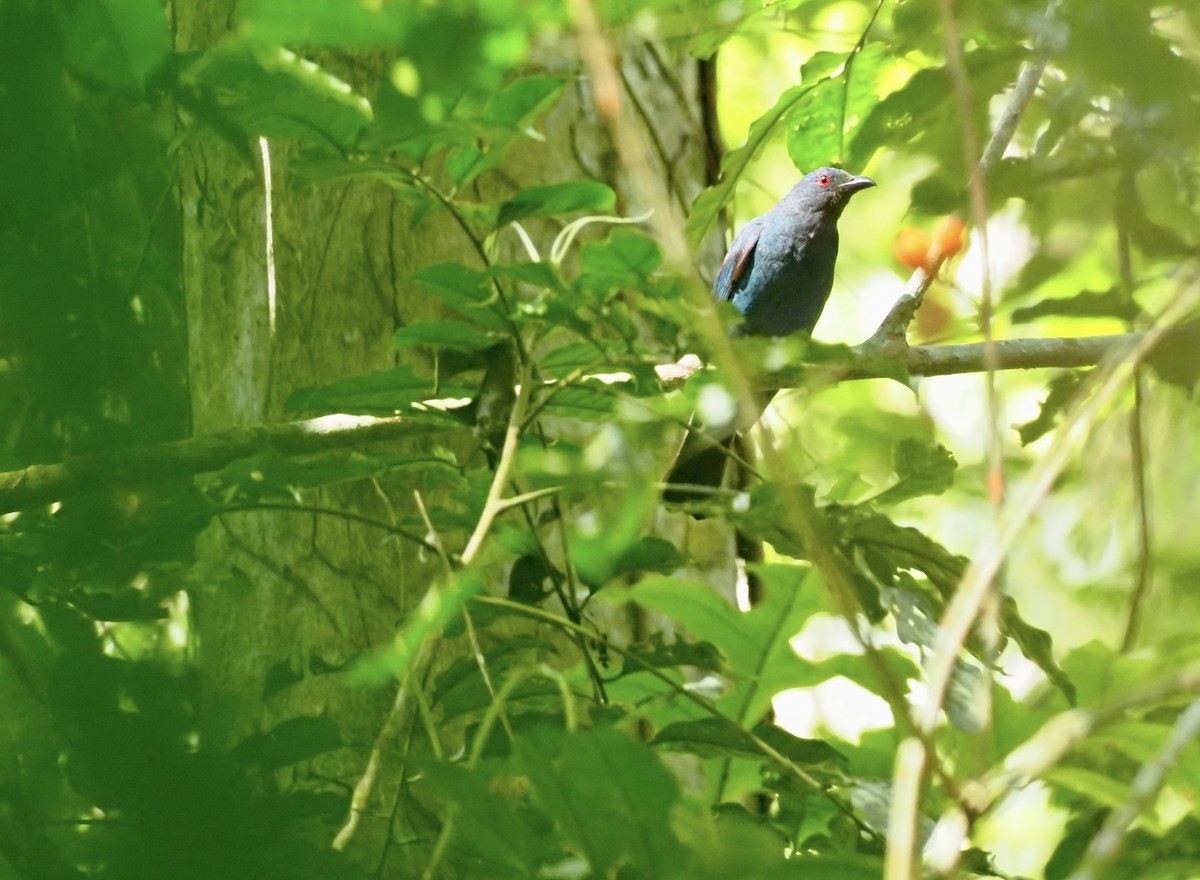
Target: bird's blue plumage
778,274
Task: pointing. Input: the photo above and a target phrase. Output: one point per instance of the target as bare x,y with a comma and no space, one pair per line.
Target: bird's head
829,189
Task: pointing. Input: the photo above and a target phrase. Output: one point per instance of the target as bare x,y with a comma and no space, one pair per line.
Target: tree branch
878,357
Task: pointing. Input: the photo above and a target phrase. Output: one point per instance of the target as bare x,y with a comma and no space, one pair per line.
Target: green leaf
537,275
290,742
623,260
702,611
902,115
457,335
1111,303
522,101
1061,392
466,291
440,605
558,198
322,24
277,94
506,117
384,393
1102,788
599,559
922,469
709,204
709,737
608,795
116,42
822,123
274,474
490,827
1174,358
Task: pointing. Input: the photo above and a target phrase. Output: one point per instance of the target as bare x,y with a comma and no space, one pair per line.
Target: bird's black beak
854,184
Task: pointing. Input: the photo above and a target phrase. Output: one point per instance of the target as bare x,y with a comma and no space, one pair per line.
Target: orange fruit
911,247
950,236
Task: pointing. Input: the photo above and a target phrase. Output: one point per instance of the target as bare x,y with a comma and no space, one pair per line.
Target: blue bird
778,275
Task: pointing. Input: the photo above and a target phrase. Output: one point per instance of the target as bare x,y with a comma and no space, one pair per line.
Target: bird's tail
698,468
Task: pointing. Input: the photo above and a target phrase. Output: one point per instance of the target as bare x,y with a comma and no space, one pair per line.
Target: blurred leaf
901,115
922,470
320,24
290,742
1174,358
624,259
1098,787
1111,303
117,42
491,828
277,94
968,698
608,795
506,116
457,335
599,560
383,393
437,608
1061,392
710,737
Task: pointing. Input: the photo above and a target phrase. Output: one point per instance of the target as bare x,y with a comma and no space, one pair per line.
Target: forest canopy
344,348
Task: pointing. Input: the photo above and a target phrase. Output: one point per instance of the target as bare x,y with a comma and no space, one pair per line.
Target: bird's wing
737,259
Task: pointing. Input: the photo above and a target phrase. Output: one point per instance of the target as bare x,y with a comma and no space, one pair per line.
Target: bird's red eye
823,180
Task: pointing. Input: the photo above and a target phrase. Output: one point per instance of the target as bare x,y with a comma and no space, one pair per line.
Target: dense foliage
545,748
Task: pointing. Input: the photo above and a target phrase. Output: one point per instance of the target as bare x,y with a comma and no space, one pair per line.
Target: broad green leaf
1174,358
608,795
116,42
900,116
822,123
623,260
1111,303
899,667
457,335
466,291
702,611
589,401
507,116
520,102
539,275
558,198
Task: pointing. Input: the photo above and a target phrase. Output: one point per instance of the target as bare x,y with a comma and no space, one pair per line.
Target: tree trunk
307,593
